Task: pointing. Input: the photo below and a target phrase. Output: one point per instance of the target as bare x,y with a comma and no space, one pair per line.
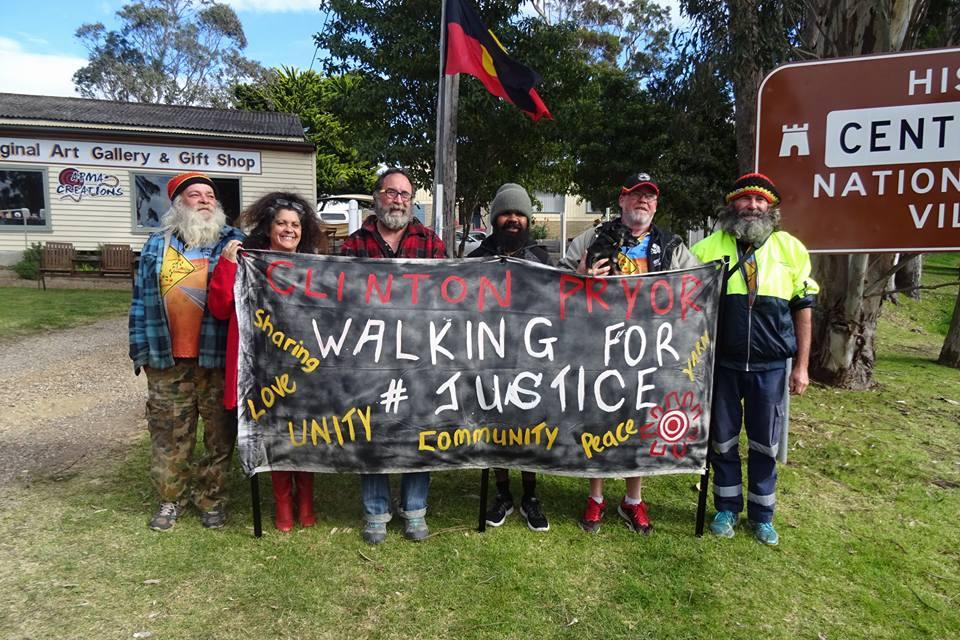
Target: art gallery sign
866,150
133,156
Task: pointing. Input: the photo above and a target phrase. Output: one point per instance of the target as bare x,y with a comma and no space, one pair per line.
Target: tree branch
905,258
916,288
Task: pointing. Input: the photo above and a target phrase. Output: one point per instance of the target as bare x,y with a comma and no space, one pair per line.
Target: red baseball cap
636,180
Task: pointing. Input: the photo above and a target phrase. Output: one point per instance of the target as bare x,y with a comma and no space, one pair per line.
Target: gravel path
68,397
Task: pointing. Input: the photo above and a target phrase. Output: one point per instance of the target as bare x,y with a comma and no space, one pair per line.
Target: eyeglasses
393,194
281,203
642,196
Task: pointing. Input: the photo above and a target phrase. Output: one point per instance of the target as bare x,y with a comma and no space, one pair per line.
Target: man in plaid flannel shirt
393,232
182,349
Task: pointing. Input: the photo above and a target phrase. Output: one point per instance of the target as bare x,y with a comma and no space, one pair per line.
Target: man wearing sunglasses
393,232
641,247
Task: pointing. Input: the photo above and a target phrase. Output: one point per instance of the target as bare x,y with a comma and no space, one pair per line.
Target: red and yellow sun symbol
674,423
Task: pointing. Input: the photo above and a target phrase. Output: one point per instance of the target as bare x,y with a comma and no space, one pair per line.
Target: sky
40,53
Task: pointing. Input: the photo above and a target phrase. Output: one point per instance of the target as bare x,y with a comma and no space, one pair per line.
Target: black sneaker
531,510
497,514
214,519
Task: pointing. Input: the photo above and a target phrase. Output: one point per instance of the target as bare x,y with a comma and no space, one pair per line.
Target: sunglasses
281,203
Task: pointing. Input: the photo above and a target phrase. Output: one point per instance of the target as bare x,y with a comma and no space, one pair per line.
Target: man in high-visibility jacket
766,321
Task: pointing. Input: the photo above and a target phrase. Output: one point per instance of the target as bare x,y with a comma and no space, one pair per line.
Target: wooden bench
56,258
61,259
117,260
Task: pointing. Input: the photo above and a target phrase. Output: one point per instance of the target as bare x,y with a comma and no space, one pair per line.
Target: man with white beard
393,232
766,320
644,247
182,349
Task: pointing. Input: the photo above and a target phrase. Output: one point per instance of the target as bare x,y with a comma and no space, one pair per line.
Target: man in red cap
766,321
635,245
182,349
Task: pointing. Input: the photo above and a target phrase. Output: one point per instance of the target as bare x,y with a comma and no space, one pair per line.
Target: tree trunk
449,160
744,29
950,354
909,276
845,323
845,320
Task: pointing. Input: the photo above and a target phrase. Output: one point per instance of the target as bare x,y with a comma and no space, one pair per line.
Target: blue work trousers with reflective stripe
756,399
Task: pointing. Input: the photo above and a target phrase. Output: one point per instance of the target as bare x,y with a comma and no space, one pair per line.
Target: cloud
274,6
36,73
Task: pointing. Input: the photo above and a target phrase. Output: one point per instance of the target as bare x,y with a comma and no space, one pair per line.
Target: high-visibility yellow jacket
762,336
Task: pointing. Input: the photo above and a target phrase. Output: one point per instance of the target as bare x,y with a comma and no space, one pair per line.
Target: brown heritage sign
866,150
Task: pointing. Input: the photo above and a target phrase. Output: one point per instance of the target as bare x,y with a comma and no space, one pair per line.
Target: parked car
333,210
474,238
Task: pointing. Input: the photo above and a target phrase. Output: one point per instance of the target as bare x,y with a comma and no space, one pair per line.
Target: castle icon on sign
795,137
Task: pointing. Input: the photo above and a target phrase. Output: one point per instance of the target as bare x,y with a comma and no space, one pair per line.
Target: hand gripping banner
360,365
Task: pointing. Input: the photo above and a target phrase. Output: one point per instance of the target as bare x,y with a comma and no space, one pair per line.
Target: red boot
283,496
305,513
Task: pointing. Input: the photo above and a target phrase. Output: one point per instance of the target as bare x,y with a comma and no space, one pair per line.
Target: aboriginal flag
473,49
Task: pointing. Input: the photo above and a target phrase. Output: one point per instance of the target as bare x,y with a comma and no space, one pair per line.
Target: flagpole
438,177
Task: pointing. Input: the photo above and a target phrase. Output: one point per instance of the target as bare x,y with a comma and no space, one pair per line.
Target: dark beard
753,232
511,242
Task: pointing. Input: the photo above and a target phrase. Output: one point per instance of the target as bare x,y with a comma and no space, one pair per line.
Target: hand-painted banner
360,365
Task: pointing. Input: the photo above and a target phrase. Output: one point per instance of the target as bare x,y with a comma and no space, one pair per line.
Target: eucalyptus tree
166,52
341,166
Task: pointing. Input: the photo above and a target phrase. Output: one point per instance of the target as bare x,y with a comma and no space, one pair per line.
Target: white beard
754,232
193,228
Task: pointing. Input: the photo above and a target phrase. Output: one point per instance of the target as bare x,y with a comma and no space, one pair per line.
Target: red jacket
220,303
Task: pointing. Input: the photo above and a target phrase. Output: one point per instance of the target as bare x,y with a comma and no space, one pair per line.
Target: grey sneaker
165,517
415,529
723,524
214,519
374,532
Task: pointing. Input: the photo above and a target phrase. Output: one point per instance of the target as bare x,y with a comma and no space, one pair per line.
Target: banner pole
484,483
255,497
702,496
705,478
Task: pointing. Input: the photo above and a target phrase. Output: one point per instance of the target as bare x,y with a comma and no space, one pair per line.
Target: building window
151,202
23,199
550,202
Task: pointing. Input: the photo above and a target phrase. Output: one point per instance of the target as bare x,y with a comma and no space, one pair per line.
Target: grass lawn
26,311
867,506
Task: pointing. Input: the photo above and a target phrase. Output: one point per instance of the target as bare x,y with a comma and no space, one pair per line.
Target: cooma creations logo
74,184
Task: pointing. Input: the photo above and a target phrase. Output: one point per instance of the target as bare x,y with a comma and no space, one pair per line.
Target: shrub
29,266
538,231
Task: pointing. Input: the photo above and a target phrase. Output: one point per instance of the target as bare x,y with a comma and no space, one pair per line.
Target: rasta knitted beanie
755,184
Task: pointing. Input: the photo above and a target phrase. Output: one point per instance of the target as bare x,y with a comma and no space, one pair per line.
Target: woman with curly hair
279,221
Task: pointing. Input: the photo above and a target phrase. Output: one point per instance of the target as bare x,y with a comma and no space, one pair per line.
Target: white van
333,210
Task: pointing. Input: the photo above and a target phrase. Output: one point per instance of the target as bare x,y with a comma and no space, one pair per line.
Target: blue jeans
375,494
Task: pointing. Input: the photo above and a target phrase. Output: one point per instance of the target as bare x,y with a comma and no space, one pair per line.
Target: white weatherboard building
94,172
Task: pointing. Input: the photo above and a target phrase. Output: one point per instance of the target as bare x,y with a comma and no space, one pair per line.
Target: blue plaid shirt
149,332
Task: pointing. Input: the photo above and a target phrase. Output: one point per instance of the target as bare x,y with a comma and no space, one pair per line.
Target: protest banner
360,365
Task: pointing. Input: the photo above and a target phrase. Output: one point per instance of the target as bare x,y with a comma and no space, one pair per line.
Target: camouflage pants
175,398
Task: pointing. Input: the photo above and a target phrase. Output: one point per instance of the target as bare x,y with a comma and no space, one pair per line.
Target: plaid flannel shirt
417,242
149,332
